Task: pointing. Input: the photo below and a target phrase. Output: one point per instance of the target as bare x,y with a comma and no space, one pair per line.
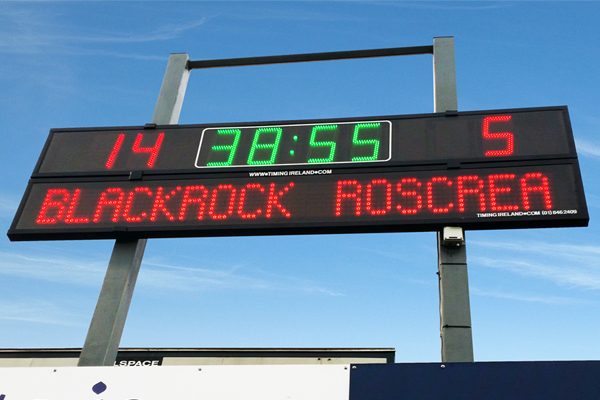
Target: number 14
136,148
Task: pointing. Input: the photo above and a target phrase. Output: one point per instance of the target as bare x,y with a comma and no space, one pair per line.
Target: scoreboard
478,170
367,142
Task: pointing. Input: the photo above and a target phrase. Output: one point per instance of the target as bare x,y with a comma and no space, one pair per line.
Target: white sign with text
238,382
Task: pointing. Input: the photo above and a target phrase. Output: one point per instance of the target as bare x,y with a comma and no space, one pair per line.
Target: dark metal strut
306,57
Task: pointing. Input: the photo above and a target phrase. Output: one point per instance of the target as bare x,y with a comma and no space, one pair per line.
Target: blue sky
534,293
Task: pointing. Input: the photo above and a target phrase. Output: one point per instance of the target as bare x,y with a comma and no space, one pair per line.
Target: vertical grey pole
455,312
103,337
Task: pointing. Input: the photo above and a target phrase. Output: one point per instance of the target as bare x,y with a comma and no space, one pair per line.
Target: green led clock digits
314,143
231,148
374,143
265,147
297,144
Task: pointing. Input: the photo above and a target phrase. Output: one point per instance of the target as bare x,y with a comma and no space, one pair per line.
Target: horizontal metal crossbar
307,57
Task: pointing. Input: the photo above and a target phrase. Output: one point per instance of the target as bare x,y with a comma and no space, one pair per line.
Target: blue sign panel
550,380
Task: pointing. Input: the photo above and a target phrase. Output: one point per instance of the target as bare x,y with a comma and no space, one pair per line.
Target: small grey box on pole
455,313
104,335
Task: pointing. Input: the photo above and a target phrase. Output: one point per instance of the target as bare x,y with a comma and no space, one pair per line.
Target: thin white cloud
28,30
115,54
564,275
571,265
528,298
593,200
448,5
396,255
321,290
168,276
545,248
165,32
588,148
154,274
160,274
268,12
35,311
82,51
51,267
8,205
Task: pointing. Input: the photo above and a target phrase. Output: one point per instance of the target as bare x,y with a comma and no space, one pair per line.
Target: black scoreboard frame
120,231
244,170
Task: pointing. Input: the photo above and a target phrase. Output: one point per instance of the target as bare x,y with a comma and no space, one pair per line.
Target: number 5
507,137
373,143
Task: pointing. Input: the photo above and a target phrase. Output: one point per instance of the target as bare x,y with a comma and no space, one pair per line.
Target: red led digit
473,186
55,200
438,180
70,218
160,200
129,204
112,157
214,200
541,185
418,199
352,194
273,200
242,201
152,151
387,191
193,194
111,197
506,137
495,190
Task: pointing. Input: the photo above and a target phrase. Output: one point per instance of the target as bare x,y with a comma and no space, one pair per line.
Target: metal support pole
455,312
104,335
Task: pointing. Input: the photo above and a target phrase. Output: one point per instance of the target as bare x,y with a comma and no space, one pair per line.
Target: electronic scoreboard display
368,142
478,170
